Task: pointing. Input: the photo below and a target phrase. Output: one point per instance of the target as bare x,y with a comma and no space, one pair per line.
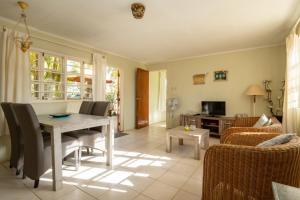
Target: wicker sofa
239,170
245,124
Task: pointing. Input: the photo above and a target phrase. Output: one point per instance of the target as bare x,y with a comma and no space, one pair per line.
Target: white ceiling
170,29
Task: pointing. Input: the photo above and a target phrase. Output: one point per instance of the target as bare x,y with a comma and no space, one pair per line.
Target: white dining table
57,126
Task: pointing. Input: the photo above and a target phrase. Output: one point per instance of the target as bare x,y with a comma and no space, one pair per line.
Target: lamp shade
255,90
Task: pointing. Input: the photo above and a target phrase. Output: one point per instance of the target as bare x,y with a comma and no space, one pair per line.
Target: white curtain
162,93
292,86
100,65
14,73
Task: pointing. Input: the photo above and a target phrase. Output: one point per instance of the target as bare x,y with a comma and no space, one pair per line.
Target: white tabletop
73,122
179,131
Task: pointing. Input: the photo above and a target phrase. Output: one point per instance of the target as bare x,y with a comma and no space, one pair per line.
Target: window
87,81
56,77
73,79
112,88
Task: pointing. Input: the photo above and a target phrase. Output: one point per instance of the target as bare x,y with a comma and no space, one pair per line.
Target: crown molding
41,35
215,54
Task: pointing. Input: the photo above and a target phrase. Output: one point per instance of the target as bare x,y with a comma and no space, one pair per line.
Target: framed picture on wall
220,75
199,79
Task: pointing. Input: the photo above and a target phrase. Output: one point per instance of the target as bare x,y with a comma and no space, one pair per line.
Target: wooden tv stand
216,125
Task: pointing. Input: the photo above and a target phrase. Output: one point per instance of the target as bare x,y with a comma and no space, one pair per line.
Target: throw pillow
280,139
269,123
261,121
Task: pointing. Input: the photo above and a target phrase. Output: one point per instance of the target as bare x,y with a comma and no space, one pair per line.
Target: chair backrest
245,121
250,121
101,108
260,167
33,140
15,133
86,107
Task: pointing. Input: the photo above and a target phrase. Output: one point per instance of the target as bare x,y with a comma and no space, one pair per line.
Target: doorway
157,97
113,94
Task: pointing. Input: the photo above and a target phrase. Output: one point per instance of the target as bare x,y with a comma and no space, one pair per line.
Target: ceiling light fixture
24,42
138,10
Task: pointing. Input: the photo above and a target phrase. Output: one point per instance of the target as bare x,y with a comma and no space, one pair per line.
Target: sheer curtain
14,73
162,93
292,87
100,65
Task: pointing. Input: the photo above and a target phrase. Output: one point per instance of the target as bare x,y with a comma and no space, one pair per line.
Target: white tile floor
142,171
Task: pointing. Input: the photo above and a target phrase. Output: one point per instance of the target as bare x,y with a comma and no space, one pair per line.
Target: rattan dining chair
245,124
239,170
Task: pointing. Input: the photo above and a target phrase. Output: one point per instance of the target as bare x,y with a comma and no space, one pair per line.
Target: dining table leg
56,158
109,142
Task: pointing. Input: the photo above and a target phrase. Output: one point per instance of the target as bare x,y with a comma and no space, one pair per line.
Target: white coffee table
199,136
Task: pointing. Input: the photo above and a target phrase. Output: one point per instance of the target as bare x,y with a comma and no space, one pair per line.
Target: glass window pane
35,87
35,95
73,89
52,76
53,96
88,69
88,80
88,93
52,63
73,79
57,95
33,59
34,75
53,87
46,96
112,87
73,66
73,96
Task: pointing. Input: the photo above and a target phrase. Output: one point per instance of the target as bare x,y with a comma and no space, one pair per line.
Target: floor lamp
255,90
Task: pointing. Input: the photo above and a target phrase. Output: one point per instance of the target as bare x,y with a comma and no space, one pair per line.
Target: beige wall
244,68
56,44
155,115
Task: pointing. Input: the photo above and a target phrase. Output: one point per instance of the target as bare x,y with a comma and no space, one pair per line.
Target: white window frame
63,76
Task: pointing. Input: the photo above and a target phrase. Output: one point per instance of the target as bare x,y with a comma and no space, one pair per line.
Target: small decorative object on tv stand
216,125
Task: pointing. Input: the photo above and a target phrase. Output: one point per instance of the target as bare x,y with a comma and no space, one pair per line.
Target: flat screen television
214,108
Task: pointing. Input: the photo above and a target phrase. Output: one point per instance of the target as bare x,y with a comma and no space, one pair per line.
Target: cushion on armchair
269,123
280,139
261,121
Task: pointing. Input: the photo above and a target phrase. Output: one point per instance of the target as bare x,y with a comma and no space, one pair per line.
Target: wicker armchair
239,170
245,124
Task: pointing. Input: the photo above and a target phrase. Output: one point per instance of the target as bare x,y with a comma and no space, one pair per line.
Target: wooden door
142,98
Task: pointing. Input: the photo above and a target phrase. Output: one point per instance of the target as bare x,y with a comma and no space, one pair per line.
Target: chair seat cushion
280,139
99,129
89,138
69,145
82,133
